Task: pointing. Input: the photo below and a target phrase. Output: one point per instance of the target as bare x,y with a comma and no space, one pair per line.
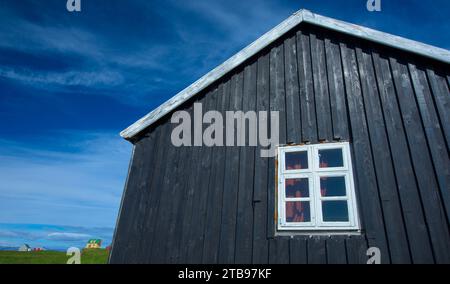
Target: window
315,188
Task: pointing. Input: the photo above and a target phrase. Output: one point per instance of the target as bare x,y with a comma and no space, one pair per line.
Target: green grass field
92,256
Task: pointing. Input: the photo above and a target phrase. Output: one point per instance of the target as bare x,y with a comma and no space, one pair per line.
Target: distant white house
25,247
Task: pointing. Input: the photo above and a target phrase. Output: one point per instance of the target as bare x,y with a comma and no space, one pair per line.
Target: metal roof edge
383,38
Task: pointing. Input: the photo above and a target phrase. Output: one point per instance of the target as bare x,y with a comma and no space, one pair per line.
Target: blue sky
69,82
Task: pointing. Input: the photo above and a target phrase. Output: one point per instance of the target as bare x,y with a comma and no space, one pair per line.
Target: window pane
297,187
331,158
296,160
298,212
332,186
335,211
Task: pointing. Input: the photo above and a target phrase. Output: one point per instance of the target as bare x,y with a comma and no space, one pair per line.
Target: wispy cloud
98,79
68,236
99,63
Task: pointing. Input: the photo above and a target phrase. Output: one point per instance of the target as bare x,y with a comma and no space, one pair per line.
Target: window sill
291,233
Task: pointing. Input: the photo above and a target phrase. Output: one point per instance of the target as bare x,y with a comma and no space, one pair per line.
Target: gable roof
268,38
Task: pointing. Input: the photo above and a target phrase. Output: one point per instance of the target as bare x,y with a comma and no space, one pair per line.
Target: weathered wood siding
216,205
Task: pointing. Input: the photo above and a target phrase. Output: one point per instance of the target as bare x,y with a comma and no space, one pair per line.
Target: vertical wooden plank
165,206
337,90
231,184
307,102
298,250
366,185
319,68
441,95
177,209
416,227
292,91
387,187
317,250
336,252
277,103
277,88
271,199
154,196
214,210
197,227
433,131
260,242
191,178
277,251
422,164
146,181
180,237
143,185
357,250
244,224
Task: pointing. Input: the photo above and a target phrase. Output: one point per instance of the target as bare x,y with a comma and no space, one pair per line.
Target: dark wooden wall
216,205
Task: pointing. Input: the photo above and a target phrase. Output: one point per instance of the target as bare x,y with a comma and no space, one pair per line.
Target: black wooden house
362,167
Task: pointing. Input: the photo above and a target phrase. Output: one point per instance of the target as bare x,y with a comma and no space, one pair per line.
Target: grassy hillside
93,256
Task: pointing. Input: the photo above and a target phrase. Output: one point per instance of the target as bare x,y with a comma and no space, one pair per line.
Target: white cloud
68,236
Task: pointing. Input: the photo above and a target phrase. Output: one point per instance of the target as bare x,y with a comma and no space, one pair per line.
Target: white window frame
314,173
